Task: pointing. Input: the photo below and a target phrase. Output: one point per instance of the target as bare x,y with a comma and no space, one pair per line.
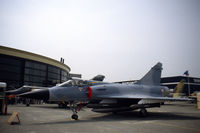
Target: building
192,84
18,68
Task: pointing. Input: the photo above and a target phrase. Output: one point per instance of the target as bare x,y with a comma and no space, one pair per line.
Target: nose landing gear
74,117
74,109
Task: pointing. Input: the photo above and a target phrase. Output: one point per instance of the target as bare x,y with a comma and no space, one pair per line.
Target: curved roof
32,56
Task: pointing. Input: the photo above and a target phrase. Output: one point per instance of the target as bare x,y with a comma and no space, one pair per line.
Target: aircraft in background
194,96
24,89
178,90
98,78
110,97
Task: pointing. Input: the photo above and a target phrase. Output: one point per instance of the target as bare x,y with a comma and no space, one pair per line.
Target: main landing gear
143,112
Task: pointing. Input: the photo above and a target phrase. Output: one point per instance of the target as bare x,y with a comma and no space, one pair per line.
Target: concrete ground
47,118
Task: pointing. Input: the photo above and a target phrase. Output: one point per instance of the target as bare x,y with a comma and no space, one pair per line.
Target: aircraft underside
120,106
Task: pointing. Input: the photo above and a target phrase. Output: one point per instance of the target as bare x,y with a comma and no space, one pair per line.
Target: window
11,71
10,68
53,76
10,60
35,72
35,65
53,69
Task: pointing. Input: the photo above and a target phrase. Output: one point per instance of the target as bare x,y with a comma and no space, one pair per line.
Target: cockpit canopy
74,82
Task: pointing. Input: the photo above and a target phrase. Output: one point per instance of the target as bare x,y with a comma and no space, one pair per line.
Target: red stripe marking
90,92
80,106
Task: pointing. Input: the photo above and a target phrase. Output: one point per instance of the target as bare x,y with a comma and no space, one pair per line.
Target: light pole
188,85
187,75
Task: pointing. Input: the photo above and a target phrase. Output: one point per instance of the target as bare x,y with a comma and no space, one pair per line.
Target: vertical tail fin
153,76
179,88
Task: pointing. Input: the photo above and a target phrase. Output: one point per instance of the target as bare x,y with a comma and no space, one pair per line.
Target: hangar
192,84
18,68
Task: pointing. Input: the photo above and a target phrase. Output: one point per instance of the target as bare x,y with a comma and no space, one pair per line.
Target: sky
121,39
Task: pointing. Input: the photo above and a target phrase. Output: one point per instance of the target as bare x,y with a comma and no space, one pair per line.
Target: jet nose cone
40,94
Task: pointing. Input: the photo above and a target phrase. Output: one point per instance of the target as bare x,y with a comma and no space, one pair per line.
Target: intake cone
42,94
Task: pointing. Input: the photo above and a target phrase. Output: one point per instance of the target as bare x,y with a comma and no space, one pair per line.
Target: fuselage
103,91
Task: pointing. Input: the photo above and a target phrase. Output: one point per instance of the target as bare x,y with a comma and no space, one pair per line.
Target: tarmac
179,117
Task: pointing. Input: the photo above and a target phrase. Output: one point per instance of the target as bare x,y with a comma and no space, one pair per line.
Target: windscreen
74,83
66,84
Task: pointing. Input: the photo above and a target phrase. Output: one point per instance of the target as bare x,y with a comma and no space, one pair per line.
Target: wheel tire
143,113
74,117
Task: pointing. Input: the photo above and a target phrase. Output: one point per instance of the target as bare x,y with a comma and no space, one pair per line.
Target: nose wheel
74,117
74,109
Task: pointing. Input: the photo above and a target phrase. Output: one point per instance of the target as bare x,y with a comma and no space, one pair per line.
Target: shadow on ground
126,116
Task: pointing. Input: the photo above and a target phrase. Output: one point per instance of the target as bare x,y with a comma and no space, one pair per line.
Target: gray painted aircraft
110,97
27,88
24,89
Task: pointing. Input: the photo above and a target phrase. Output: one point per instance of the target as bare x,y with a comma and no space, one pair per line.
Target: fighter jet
110,97
24,89
27,88
98,78
178,90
